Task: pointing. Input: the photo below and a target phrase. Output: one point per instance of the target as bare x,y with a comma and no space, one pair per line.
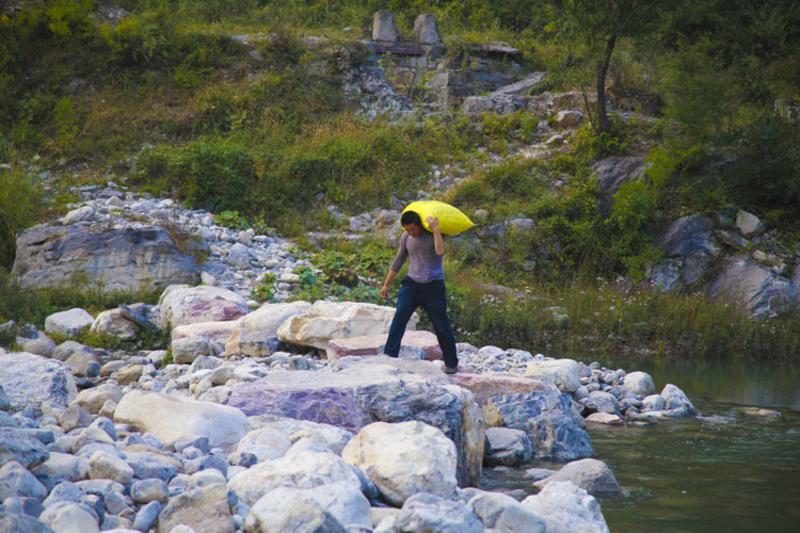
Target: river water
724,471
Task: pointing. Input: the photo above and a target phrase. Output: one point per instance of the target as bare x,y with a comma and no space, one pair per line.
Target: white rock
302,470
566,508
593,476
112,322
404,459
341,500
505,514
67,517
185,350
181,304
569,118
68,323
103,465
271,515
265,444
32,379
639,383
564,373
748,224
80,214
252,331
215,331
170,418
328,320
93,399
239,256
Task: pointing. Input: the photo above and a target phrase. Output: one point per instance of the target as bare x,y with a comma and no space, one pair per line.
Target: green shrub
216,175
231,219
20,206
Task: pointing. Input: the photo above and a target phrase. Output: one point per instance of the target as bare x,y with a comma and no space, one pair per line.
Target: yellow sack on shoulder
451,220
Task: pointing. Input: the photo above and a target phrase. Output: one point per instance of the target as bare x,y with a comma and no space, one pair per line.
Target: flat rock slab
357,391
170,418
371,345
32,379
485,386
216,331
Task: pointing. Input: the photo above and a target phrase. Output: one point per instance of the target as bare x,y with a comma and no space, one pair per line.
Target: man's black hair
410,217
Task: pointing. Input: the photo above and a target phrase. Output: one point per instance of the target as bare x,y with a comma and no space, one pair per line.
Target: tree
599,25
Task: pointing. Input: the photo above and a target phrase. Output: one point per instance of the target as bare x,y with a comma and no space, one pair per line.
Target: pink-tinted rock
484,386
372,344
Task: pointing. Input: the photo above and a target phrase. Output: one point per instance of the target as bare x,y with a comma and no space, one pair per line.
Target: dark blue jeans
431,297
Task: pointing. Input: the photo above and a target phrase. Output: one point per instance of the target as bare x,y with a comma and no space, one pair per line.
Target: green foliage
216,175
231,219
20,206
34,305
264,290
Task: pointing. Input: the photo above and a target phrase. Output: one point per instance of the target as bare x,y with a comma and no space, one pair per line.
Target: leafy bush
216,175
20,206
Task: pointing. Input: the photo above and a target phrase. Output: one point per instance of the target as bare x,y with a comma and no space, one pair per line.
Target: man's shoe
450,369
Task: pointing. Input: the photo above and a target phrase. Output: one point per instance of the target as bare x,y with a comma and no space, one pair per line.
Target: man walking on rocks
422,287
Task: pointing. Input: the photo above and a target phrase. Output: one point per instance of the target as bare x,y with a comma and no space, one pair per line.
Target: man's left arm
438,241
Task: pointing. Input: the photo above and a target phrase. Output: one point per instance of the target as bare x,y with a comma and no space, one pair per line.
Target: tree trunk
602,116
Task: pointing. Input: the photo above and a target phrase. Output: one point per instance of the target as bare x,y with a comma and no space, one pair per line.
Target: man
423,287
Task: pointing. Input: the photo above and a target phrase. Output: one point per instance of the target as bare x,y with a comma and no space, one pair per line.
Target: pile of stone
119,240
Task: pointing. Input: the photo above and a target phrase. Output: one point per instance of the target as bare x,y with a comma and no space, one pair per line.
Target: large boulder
404,459
303,469
93,399
322,435
691,247
68,323
170,418
484,386
215,331
128,259
251,333
329,320
429,512
754,287
566,508
613,172
563,373
556,431
639,383
343,501
421,342
362,390
181,304
593,476
748,224
507,446
67,517
302,514
32,379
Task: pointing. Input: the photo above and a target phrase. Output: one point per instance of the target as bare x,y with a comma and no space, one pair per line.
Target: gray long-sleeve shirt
424,265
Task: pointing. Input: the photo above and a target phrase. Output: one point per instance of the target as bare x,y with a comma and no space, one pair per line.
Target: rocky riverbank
248,429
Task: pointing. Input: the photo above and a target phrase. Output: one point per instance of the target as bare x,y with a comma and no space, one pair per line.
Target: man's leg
434,301
406,305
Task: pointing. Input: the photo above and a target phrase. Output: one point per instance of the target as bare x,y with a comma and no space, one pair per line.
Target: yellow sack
451,220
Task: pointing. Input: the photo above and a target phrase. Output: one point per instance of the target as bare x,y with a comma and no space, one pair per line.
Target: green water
725,471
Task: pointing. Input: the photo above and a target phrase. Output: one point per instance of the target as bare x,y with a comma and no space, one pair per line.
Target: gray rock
239,256
16,481
639,383
149,490
505,514
602,402
384,27
754,287
426,30
74,417
690,239
152,464
5,403
522,225
104,465
748,224
19,445
613,172
566,508
506,446
63,466
187,349
593,476
306,515
65,491
93,399
203,509
113,259
41,345
428,512
147,516
114,322
30,379
19,523
68,323
654,402
675,398
67,349
555,430
69,518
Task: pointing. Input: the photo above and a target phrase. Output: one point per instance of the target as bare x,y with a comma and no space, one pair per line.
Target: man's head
412,223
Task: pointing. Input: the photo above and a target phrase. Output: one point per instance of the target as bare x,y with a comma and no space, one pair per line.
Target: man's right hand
384,292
